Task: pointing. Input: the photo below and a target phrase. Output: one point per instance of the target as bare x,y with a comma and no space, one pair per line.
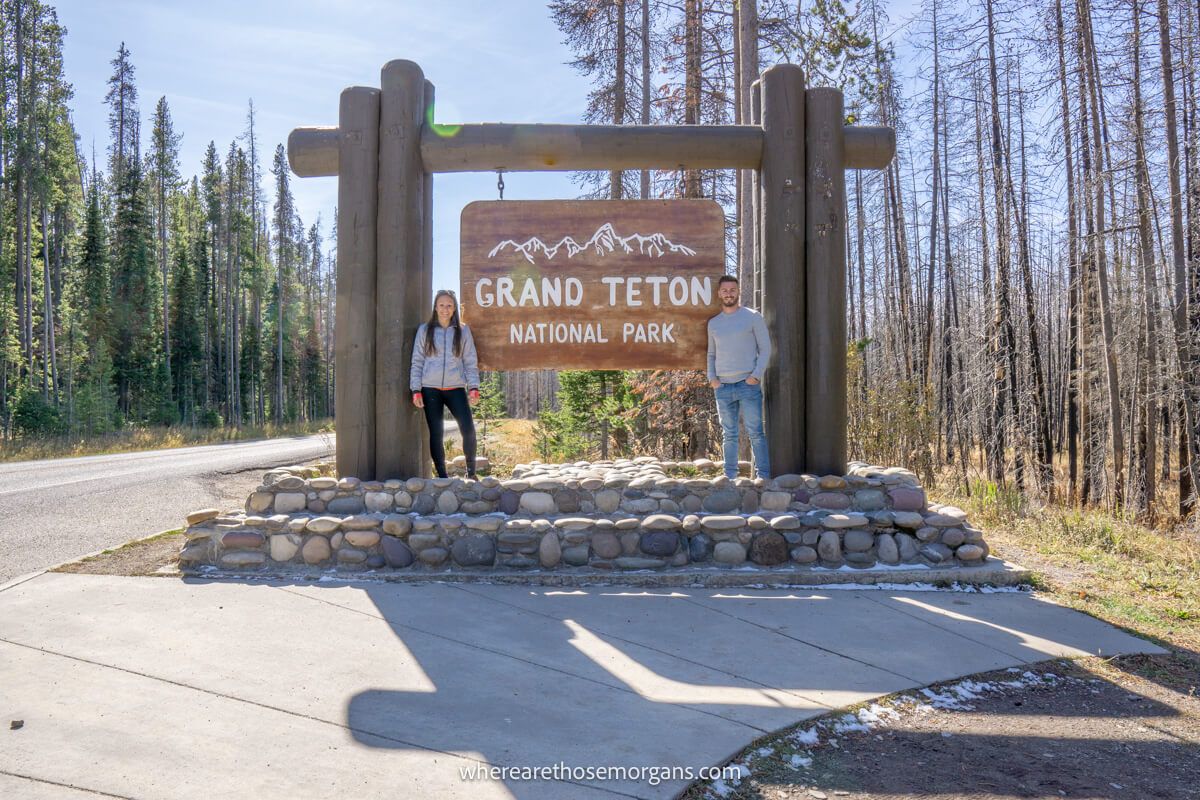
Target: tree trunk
935,198
1148,419
692,77
645,42
1004,356
1072,272
1116,424
1187,437
1045,455
616,190
1087,281
747,39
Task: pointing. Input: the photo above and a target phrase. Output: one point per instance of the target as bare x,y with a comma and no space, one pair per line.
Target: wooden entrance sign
385,150
591,284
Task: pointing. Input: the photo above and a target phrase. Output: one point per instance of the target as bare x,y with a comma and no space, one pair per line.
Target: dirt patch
232,489
157,555
1124,728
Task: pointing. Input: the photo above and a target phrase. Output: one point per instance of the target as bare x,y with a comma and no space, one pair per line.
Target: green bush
35,416
95,409
211,418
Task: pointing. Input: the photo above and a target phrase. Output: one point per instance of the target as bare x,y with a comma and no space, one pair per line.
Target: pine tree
284,248
164,175
95,401
93,267
122,116
135,335
186,309
211,182
593,405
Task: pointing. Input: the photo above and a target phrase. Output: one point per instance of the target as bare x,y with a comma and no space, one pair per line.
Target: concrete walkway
161,688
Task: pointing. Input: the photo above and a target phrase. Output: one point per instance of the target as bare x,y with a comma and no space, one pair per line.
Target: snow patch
850,723
944,700
722,788
806,736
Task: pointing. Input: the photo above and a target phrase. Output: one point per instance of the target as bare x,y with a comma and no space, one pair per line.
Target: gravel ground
1123,728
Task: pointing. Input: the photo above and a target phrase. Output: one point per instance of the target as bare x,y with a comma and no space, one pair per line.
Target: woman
445,374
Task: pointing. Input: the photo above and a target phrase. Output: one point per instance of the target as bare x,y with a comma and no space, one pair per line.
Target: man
738,349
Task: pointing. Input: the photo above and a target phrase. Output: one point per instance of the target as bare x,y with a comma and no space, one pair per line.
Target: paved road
55,510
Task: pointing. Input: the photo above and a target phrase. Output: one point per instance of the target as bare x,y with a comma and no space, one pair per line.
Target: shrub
35,416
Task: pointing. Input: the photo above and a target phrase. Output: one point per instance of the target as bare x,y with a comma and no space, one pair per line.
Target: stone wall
590,517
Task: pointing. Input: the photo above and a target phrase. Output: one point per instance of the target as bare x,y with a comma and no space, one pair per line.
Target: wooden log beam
354,348
487,147
783,266
868,146
312,151
825,258
399,302
536,148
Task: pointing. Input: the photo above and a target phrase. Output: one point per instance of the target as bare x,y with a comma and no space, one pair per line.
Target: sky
490,61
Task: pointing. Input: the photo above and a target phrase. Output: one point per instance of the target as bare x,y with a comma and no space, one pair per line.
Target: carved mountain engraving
604,241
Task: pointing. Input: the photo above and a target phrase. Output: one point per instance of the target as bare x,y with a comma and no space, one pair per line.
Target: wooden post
399,305
427,194
421,442
354,351
783,271
825,235
756,205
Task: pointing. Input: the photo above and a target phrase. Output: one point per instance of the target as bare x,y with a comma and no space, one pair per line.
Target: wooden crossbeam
487,147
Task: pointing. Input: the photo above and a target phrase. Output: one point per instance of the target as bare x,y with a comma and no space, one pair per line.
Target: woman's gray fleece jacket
443,369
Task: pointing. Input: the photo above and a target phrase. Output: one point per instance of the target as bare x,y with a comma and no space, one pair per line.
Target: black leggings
456,401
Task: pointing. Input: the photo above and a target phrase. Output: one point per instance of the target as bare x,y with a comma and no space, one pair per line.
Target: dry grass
510,442
1144,578
134,439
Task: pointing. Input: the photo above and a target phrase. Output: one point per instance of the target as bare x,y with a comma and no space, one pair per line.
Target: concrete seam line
502,654
99,792
810,644
20,579
462,587
268,707
908,613
224,696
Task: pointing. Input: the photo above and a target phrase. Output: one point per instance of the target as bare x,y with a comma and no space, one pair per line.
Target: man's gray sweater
738,346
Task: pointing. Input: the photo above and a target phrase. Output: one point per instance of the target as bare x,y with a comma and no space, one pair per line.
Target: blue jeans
747,400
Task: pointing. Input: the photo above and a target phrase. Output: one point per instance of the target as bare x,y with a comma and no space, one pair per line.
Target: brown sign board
591,284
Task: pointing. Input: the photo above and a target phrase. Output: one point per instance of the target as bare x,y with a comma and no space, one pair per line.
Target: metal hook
500,182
